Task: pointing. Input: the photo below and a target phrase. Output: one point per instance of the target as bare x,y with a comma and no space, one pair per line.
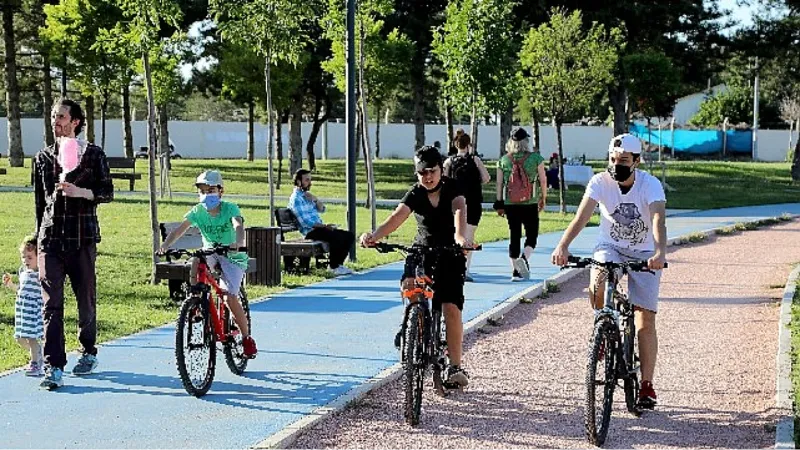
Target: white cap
625,143
210,178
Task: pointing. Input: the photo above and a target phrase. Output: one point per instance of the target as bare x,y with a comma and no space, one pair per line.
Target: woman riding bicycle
441,213
632,228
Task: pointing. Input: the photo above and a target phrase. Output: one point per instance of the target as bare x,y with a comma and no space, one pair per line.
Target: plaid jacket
64,223
305,210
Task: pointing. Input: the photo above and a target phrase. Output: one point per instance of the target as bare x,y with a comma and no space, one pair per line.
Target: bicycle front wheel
414,364
601,380
233,348
195,347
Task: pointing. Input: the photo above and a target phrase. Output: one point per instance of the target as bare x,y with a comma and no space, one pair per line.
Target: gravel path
715,376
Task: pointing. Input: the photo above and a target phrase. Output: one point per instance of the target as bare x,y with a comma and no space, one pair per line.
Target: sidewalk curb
784,430
291,432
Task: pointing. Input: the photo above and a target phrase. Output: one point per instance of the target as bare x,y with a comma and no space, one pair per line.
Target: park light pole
350,112
755,114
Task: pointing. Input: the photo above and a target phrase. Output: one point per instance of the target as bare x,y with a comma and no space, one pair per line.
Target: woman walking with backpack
518,171
468,170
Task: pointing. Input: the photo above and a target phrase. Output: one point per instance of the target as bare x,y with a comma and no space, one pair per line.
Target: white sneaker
341,270
522,267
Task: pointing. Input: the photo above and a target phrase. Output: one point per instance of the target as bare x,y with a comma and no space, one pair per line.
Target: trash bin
264,245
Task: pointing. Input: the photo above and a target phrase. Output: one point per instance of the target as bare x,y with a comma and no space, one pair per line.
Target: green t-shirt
531,168
218,229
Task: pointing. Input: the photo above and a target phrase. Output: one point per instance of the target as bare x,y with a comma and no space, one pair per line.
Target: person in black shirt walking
440,210
67,231
467,168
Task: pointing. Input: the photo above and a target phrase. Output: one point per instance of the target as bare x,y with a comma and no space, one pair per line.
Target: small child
220,222
28,321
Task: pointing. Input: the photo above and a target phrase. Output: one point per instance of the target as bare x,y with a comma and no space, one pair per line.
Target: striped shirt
28,320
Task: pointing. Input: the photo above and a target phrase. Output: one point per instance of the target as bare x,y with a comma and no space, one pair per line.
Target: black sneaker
456,378
515,276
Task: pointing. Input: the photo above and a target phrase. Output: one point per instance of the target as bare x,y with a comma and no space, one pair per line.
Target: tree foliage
567,66
476,48
653,82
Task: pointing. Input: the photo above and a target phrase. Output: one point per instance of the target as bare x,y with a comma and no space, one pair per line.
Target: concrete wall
686,107
229,139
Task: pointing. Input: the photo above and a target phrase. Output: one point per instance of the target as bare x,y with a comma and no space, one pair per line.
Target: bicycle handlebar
216,250
385,247
636,266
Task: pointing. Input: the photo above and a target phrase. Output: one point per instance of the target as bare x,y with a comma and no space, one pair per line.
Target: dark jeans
339,242
79,266
519,216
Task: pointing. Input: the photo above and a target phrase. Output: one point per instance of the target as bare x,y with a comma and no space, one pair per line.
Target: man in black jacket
68,233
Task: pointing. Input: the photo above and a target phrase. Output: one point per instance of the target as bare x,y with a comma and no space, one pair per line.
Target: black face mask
305,189
620,172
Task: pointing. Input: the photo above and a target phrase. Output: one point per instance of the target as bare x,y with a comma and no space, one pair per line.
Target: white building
686,107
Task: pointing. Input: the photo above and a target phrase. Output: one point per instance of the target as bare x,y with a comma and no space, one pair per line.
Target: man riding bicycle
632,228
441,213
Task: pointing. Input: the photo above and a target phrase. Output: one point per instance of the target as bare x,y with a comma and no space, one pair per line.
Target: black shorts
474,213
447,272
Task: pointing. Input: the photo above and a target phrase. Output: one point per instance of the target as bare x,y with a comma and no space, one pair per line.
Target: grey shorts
231,275
642,286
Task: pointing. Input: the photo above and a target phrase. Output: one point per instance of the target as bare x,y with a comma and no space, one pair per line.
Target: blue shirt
305,210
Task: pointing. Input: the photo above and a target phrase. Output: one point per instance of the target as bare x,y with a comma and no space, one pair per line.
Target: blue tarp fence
697,141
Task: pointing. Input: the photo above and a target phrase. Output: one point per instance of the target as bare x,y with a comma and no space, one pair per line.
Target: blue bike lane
317,343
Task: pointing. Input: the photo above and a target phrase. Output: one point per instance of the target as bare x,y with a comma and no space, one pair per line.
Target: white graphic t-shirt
625,219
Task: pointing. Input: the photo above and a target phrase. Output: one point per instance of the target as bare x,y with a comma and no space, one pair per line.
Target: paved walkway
317,343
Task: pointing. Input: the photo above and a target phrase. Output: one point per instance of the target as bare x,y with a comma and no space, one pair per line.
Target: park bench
125,164
177,272
299,249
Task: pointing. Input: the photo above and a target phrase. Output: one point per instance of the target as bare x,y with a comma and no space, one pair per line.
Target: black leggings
519,216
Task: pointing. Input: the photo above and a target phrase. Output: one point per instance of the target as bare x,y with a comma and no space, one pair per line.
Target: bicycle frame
216,314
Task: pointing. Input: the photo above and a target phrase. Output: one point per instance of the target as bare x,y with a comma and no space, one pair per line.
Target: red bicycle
205,320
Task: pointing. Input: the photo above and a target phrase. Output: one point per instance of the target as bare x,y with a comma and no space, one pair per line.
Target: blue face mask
210,201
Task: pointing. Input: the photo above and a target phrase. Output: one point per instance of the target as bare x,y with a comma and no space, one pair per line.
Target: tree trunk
163,130
279,146
448,120
270,140
251,142
16,155
506,123
535,130
319,121
796,162
418,86
561,184
473,127
47,98
617,96
365,135
103,109
791,135
151,157
64,76
127,133
359,127
295,136
378,136
90,136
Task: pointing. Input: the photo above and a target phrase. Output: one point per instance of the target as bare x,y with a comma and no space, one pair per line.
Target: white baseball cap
210,178
625,143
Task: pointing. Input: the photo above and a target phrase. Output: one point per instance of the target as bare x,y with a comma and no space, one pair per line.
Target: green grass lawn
697,184
127,303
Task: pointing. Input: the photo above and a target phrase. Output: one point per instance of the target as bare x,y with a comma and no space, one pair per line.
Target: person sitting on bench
307,208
